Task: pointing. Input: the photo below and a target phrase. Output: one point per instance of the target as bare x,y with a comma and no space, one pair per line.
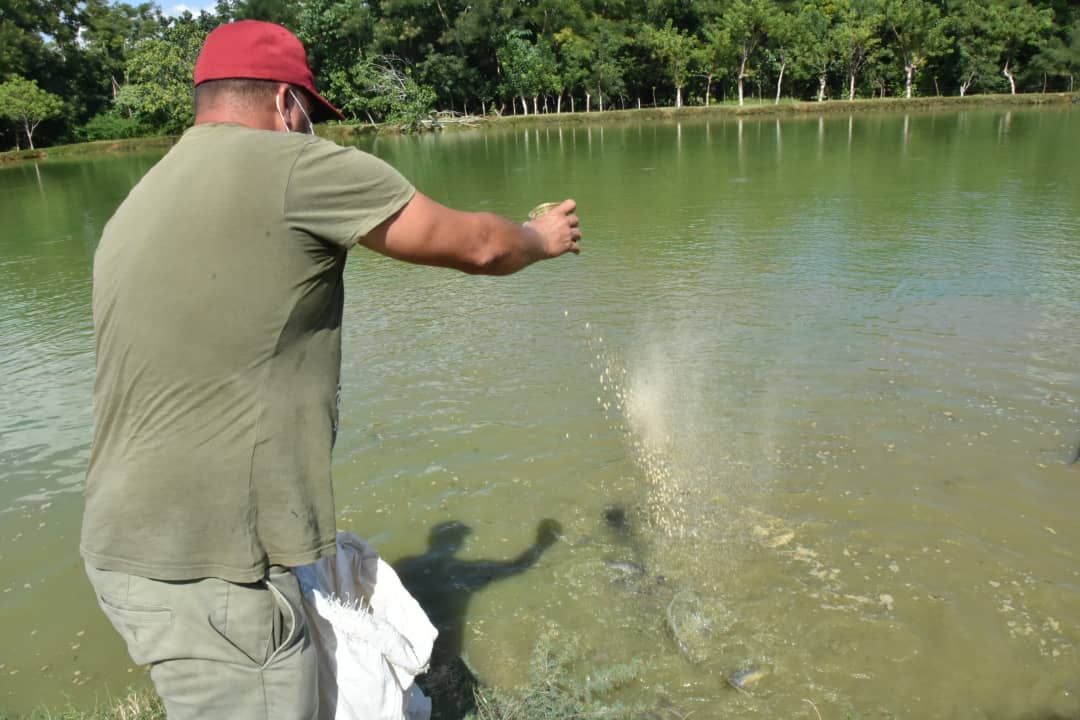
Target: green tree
1060,56
383,88
159,72
282,12
110,31
550,74
918,34
447,75
975,48
521,67
994,34
26,104
675,49
814,46
608,69
856,37
1020,26
746,22
782,38
335,34
714,54
575,58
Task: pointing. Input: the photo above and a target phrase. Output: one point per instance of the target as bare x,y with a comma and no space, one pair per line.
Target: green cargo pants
217,649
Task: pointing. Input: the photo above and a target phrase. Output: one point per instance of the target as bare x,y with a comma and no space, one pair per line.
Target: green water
825,368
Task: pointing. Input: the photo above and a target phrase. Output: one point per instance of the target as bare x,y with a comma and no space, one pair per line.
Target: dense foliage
94,69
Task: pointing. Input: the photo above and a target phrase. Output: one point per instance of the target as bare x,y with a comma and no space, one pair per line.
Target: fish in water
625,567
742,679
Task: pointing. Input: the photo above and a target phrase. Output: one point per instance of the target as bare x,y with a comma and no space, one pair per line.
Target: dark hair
244,92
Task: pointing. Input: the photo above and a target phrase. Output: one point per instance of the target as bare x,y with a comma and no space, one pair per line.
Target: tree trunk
524,105
678,96
588,101
966,84
600,98
483,108
558,104
821,87
780,82
29,133
572,109
708,89
1044,82
535,110
851,87
1012,79
910,68
742,75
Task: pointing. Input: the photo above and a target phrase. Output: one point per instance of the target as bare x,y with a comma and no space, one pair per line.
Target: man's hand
547,532
559,229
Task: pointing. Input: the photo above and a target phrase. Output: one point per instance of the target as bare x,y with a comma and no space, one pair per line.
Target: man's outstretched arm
428,233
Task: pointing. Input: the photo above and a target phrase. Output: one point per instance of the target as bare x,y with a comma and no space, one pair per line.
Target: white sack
371,636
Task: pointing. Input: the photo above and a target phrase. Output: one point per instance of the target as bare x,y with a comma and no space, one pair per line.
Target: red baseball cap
258,50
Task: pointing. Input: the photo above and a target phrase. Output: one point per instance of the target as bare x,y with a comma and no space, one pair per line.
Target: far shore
785,108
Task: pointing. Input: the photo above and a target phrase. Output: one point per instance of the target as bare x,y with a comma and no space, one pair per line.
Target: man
218,299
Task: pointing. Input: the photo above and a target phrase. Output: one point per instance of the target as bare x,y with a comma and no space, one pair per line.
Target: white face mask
277,102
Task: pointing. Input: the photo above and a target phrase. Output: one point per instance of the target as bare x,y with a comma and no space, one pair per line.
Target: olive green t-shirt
217,307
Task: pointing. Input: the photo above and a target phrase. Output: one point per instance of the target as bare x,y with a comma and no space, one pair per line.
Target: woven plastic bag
371,636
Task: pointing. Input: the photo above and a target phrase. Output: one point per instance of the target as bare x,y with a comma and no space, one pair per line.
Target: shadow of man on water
443,584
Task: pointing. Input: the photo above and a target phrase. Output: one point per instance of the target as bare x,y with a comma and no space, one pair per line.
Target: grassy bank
562,683
786,108
143,705
98,147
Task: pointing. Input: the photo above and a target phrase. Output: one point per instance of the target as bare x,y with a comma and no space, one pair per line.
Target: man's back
217,303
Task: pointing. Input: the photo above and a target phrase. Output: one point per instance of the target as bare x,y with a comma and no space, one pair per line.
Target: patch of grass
557,689
136,705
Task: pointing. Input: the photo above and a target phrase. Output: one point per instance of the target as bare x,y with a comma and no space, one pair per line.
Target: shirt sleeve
340,194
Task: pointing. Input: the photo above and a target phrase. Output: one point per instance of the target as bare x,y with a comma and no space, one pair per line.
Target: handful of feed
542,209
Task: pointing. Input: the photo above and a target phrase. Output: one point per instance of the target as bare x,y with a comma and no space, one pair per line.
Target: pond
806,405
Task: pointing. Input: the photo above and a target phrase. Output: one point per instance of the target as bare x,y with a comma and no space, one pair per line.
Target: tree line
93,69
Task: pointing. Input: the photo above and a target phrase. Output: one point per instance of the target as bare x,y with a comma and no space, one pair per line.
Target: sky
194,7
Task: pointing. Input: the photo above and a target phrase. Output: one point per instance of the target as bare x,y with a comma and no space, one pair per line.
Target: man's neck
258,121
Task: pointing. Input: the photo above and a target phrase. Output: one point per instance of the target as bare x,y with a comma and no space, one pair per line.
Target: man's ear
282,91
283,102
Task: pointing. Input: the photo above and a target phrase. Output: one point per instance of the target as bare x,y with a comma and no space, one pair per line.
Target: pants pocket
143,622
249,620
290,627
261,620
